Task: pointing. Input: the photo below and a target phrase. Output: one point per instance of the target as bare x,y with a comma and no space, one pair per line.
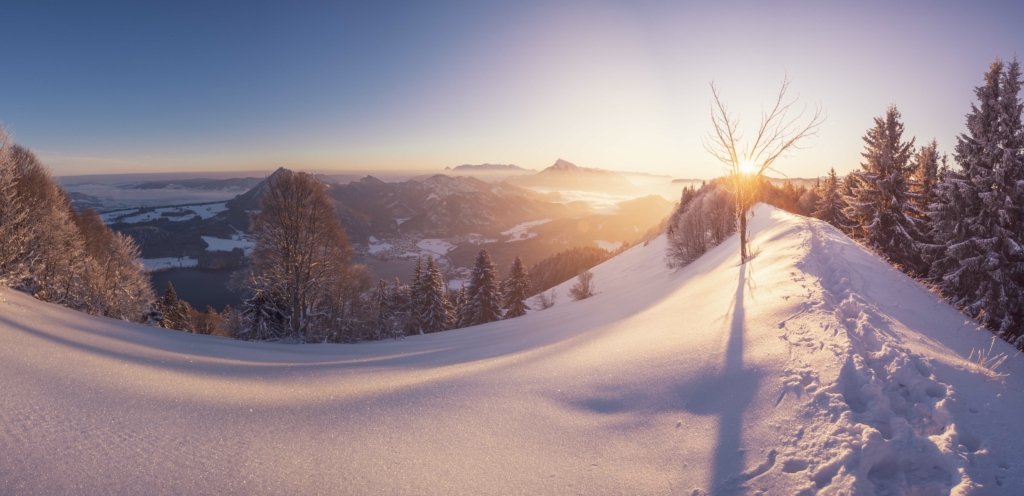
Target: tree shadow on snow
725,393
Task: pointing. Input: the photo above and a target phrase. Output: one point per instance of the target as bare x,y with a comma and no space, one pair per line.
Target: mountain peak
565,165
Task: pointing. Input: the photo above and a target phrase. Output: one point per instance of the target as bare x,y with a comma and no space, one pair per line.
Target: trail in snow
815,368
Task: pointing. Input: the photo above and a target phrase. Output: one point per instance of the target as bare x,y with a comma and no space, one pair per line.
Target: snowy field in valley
434,246
238,240
522,231
815,368
152,264
608,245
176,213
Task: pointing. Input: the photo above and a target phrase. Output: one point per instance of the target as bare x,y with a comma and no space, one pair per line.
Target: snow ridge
884,425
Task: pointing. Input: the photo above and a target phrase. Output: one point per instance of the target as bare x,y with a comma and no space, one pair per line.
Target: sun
748,167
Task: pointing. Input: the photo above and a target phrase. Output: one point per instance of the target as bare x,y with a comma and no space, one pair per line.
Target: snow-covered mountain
815,368
566,175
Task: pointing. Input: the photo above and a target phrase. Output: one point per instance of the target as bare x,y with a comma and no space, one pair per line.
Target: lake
199,287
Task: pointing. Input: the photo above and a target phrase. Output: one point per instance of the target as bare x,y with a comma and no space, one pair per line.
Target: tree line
959,227
61,255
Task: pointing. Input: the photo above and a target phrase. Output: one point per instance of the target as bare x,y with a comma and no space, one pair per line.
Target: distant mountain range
437,206
488,167
567,175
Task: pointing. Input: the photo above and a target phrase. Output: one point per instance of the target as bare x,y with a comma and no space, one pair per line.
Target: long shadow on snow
726,394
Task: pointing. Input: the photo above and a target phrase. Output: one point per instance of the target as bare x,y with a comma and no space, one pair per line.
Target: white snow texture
814,368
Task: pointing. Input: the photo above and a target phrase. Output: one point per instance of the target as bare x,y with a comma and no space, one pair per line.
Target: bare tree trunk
742,212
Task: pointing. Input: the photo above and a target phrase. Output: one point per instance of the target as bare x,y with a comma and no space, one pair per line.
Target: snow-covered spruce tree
880,208
401,304
830,201
302,255
436,311
925,175
262,316
175,311
516,290
384,313
463,309
977,257
483,293
417,298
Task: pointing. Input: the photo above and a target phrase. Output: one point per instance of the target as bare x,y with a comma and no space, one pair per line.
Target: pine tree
483,294
262,317
463,310
175,311
925,173
416,295
384,313
880,208
830,202
436,311
401,304
516,289
977,258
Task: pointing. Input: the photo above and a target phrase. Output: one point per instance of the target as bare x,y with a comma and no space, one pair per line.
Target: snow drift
815,368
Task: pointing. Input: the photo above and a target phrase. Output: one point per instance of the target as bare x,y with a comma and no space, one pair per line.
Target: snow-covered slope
814,368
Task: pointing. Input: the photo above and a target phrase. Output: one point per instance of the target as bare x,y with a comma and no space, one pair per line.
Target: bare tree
784,128
301,255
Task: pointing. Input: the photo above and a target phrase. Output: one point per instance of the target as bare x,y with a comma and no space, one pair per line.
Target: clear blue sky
127,87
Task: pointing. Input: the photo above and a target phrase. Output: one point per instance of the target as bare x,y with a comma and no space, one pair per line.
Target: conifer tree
401,303
516,289
925,174
977,257
483,295
416,295
880,208
436,311
464,310
175,311
830,201
384,317
262,317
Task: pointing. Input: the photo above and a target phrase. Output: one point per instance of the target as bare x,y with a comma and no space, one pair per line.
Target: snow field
814,368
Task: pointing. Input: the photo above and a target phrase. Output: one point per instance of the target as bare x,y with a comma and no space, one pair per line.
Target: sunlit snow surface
813,368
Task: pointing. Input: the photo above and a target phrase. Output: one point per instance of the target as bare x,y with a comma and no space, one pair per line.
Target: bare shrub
546,301
584,287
